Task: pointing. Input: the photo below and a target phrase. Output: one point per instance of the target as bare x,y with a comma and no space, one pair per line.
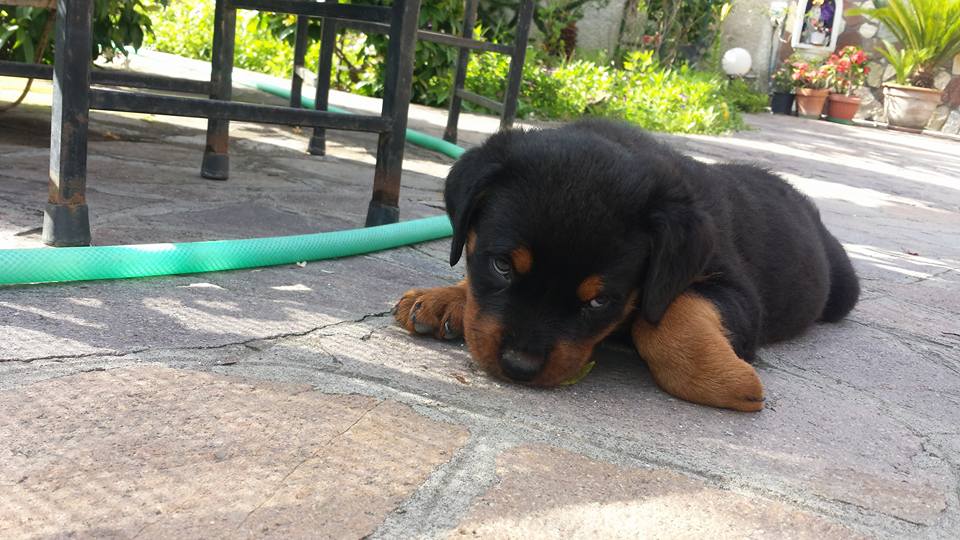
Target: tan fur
522,260
568,357
590,288
471,241
483,335
691,358
436,307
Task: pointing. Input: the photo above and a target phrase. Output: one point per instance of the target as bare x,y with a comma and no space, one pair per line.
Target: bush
678,100
116,24
185,28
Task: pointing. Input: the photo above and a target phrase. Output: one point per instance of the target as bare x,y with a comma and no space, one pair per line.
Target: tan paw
437,312
738,387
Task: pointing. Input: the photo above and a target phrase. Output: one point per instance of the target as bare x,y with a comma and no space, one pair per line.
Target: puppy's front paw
735,386
437,312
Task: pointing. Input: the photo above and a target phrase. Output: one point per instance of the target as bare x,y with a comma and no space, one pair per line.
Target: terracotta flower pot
842,108
909,106
810,101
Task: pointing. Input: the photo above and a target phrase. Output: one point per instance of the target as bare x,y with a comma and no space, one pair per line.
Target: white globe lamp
736,62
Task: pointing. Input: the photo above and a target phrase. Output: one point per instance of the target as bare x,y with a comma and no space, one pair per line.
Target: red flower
866,70
834,58
844,65
860,57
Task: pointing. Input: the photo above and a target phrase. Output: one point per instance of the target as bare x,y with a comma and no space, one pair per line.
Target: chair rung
112,77
113,100
435,37
316,9
495,106
463,43
306,75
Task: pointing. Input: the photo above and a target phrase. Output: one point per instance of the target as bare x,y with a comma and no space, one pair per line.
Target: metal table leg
299,52
216,157
515,74
463,59
384,205
66,221
328,38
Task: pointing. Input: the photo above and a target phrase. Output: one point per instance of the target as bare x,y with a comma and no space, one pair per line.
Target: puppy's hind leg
437,312
691,358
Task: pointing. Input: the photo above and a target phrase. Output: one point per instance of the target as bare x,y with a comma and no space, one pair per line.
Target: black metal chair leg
216,157
384,205
515,74
299,52
460,78
328,38
66,221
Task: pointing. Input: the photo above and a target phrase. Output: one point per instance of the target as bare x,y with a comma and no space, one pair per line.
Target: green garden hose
37,265
34,265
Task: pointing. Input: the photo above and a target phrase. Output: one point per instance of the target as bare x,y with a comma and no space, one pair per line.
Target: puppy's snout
519,366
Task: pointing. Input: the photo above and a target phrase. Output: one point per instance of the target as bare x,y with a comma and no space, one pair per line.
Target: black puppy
576,232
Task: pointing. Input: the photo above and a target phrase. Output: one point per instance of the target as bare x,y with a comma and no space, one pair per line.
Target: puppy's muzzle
521,366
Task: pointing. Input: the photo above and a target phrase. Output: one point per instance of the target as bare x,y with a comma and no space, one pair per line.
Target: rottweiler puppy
572,234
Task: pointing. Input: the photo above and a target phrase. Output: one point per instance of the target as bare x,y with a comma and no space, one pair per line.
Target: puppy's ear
683,241
468,183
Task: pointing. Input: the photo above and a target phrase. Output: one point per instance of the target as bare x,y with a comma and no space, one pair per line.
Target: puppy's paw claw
437,312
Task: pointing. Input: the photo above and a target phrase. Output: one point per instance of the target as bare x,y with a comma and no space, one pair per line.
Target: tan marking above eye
522,260
590,288
471,241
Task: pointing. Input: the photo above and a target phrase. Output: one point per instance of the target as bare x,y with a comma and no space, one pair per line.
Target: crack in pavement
244,343
312,455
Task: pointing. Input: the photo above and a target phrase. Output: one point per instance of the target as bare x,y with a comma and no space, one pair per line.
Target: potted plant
783,85
929,33
846,72
812,92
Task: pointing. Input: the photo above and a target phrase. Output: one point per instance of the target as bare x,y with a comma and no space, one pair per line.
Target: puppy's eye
502,267
599,302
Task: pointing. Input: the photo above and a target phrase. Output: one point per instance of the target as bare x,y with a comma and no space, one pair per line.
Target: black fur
599,197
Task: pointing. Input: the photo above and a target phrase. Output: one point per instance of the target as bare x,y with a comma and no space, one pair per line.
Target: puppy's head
568,234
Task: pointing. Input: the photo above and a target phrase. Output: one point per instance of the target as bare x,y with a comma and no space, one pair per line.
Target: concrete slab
158,453
544,492
860,433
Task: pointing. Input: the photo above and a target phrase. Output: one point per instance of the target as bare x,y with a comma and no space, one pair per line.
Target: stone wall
869,35
749,27
599,28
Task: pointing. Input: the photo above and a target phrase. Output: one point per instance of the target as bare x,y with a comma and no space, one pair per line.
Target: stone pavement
283,402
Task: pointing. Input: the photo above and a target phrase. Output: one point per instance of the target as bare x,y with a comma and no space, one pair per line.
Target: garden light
736,62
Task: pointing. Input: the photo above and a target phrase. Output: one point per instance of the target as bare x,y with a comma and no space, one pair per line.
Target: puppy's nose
522,367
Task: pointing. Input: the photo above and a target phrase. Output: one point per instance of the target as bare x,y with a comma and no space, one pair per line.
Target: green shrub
185,28
116,24
679,100
743,98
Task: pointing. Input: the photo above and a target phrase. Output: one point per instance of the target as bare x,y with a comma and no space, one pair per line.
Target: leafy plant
782,79
678,99
847,70
808,75
556,20
742,97
928,32
116,25
658,97
682,29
